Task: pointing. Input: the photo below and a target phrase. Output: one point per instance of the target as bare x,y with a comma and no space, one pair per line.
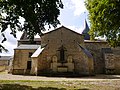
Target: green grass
57,85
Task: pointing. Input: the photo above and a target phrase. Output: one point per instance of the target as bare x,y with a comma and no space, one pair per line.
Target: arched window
62,54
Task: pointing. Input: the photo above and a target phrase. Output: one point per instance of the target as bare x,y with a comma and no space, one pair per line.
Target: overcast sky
72,16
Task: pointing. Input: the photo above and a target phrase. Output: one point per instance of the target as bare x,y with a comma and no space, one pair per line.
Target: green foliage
37,14
104,17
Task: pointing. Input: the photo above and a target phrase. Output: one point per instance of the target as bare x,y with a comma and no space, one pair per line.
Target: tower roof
85,31
86,28
24,36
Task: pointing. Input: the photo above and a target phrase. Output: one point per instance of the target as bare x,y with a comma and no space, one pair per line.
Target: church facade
64,51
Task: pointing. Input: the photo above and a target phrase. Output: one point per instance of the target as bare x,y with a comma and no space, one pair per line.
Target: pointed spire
86,27
85,31
24,36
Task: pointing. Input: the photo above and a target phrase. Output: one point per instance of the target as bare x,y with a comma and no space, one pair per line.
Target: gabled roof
35,39
27,47
60,28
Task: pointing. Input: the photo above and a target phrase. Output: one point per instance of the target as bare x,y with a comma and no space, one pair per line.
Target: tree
104,16
36,13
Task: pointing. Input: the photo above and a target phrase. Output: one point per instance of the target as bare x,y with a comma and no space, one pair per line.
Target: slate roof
5,57
85,32
85,51
35,39
86,29
28,47
24,36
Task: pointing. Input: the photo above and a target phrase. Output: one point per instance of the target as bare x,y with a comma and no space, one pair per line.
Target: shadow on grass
98,76
24,87
74,75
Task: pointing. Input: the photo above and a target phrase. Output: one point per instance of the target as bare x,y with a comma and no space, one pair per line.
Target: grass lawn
104,84
59,85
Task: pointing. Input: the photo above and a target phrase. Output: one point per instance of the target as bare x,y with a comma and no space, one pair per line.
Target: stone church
64,51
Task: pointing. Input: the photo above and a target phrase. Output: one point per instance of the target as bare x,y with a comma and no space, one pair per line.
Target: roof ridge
59,28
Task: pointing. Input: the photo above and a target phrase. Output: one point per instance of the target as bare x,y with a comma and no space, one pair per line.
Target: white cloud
10,48
11,42
78,30
78,6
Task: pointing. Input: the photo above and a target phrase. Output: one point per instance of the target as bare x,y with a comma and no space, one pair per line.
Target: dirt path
112,81
43,78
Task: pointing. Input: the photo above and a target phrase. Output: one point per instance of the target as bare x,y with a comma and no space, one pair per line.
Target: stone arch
54,59
62,50
69,59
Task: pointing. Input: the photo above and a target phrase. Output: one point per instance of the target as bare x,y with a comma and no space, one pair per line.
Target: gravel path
43,78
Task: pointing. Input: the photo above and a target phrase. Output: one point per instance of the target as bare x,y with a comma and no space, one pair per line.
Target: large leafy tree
36,13
104,17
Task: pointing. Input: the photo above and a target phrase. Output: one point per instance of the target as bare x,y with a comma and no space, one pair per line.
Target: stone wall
4,62
4,65
3,68
109,63
104,62
27,41
112,63
117,63
20,61
68,40
54,40
34,69
95,47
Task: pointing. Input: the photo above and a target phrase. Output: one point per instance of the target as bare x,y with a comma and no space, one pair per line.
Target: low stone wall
18,71
109,63
95,48
117,64
21,72
112,63
3,68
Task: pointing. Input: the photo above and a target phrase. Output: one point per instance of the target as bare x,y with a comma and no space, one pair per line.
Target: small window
62,54
32,42
30,54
